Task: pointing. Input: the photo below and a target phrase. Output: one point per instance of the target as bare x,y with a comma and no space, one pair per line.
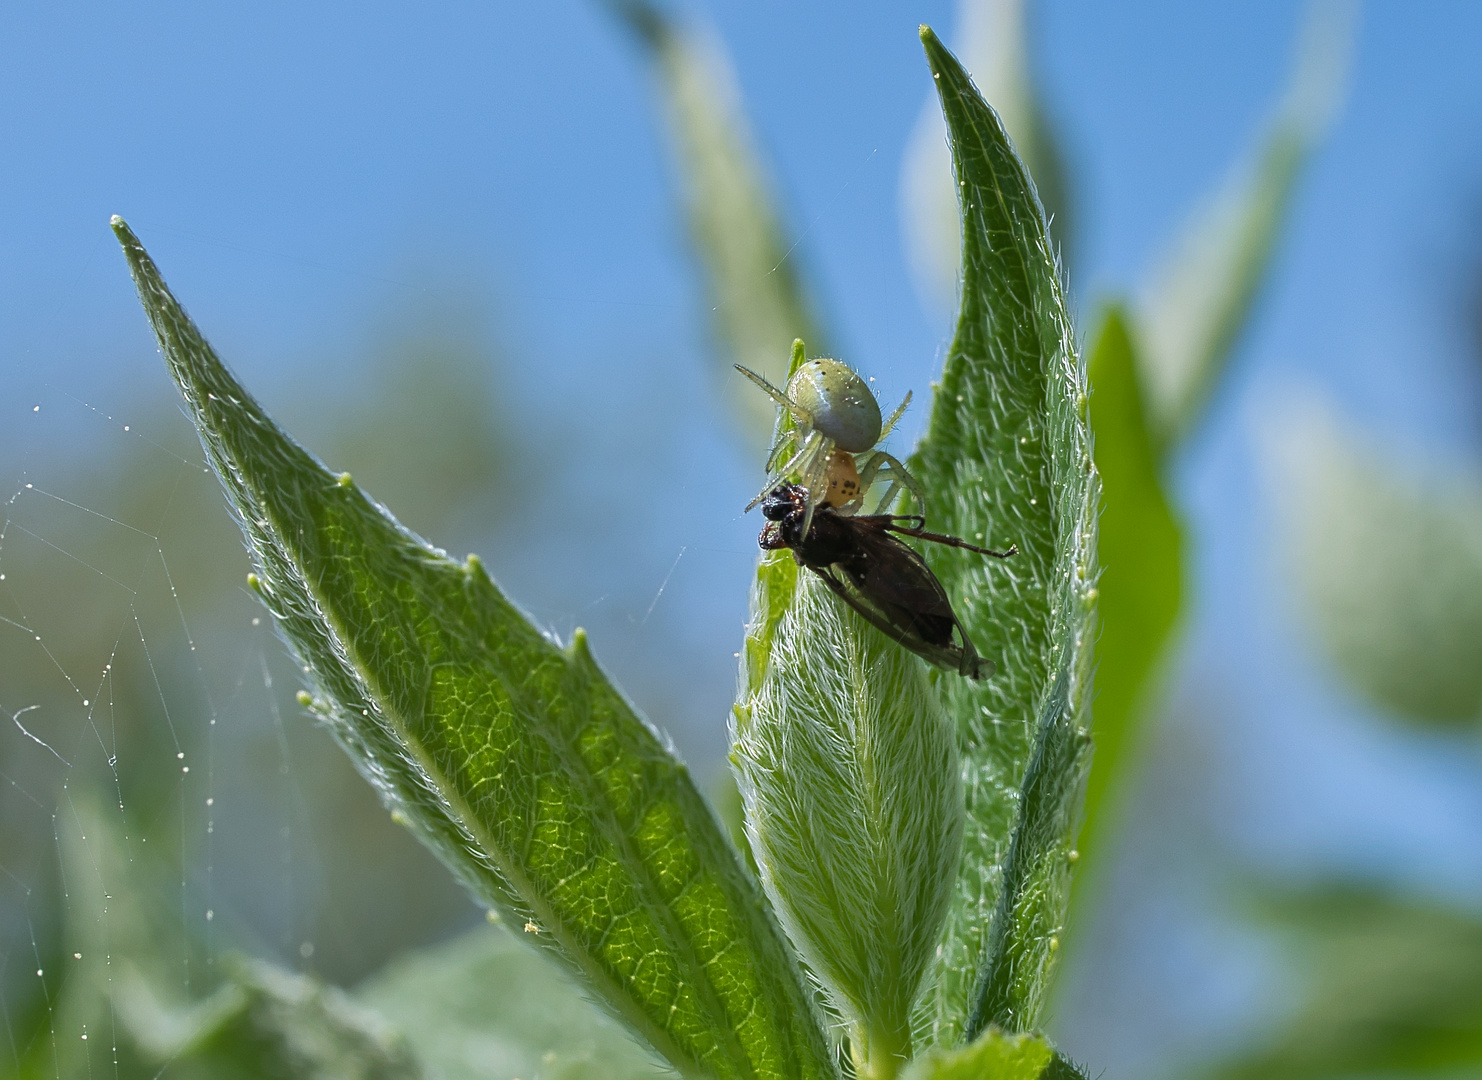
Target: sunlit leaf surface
993,41
1007,460
516,760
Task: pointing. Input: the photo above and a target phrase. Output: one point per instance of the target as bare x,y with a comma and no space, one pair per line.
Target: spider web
112,782
165,803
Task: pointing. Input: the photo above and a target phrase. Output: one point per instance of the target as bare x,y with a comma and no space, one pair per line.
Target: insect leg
920,533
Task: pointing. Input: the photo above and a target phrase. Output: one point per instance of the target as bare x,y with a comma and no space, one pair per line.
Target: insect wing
882,607
899,577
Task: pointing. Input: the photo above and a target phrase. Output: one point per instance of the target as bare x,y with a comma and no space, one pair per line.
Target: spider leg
815,478
868,470
775,476
785,440
801,415
815,469
882,463
895,416
900,477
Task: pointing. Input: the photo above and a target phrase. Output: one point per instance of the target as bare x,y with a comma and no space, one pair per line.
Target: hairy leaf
483,1005
994,45
849,771
1390,566
1140,549
514,759
1007,459
758,296
1202,299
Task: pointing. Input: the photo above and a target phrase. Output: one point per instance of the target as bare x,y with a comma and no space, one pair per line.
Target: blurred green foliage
1391,985
486,1005
1389,564
760,302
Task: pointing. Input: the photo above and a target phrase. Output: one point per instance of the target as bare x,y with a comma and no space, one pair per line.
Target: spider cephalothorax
827,437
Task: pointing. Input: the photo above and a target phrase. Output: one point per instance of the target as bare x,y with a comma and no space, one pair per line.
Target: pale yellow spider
835,427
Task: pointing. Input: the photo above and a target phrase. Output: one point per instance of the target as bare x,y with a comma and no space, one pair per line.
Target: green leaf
1140,549
994,1055
995,48
1007,459
850,775
1390,566
758,294
485,1007
1202,299
1391,986
515,760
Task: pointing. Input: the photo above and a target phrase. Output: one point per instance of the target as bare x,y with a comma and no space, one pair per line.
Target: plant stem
879,1053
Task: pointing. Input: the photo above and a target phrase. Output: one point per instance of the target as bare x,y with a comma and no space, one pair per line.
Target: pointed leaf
516,760
1006,459
1140,549
996,49
758,293
1202,299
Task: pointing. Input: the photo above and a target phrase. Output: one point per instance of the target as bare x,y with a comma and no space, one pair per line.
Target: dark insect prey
860,559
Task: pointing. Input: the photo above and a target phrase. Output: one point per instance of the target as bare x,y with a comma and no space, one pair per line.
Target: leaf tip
254,583
580,648
345,480
125,235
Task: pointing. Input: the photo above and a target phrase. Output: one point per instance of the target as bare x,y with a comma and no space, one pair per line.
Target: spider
835,426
